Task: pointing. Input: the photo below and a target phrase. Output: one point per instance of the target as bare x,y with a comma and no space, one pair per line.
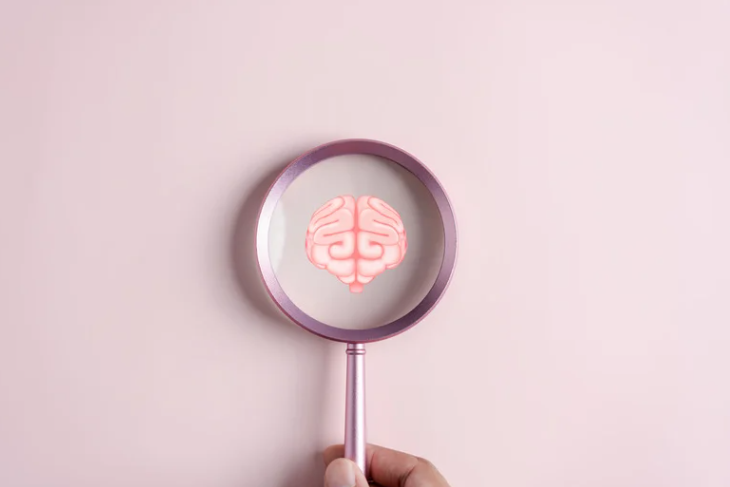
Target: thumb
344,473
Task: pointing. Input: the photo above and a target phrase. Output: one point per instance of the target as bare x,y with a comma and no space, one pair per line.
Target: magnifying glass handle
355,445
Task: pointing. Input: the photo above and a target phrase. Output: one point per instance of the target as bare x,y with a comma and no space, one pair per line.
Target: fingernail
340,473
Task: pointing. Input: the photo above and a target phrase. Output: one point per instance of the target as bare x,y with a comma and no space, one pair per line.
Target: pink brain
356,240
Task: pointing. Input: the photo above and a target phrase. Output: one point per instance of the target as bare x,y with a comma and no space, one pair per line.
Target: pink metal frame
355,444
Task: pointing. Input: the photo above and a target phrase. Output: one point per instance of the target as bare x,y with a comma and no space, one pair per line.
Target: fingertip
344,473
332,453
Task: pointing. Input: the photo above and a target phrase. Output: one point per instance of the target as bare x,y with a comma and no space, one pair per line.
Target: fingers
333,453
391,468
344,473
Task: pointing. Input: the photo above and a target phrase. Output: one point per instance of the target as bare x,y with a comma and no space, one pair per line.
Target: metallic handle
355,445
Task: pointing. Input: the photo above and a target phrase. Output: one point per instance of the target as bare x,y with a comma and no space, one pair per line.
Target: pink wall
584,341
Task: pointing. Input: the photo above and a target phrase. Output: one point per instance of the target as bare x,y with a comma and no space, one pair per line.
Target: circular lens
356,241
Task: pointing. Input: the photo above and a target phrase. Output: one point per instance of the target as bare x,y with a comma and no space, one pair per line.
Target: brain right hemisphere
356,240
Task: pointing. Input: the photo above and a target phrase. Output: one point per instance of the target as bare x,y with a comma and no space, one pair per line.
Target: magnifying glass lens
356,241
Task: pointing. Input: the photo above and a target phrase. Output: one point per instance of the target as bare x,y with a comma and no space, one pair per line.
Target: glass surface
361,225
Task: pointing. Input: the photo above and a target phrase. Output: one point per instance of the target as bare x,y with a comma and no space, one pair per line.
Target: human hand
388,468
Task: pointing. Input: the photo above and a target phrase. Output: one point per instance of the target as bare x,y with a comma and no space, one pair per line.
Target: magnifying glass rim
279,187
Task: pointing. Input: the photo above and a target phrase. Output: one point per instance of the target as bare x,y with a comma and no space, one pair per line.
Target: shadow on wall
306,468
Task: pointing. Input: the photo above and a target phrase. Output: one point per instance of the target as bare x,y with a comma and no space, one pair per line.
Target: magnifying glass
356,242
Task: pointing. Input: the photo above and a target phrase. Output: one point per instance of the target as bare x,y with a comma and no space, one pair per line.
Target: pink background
584,340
